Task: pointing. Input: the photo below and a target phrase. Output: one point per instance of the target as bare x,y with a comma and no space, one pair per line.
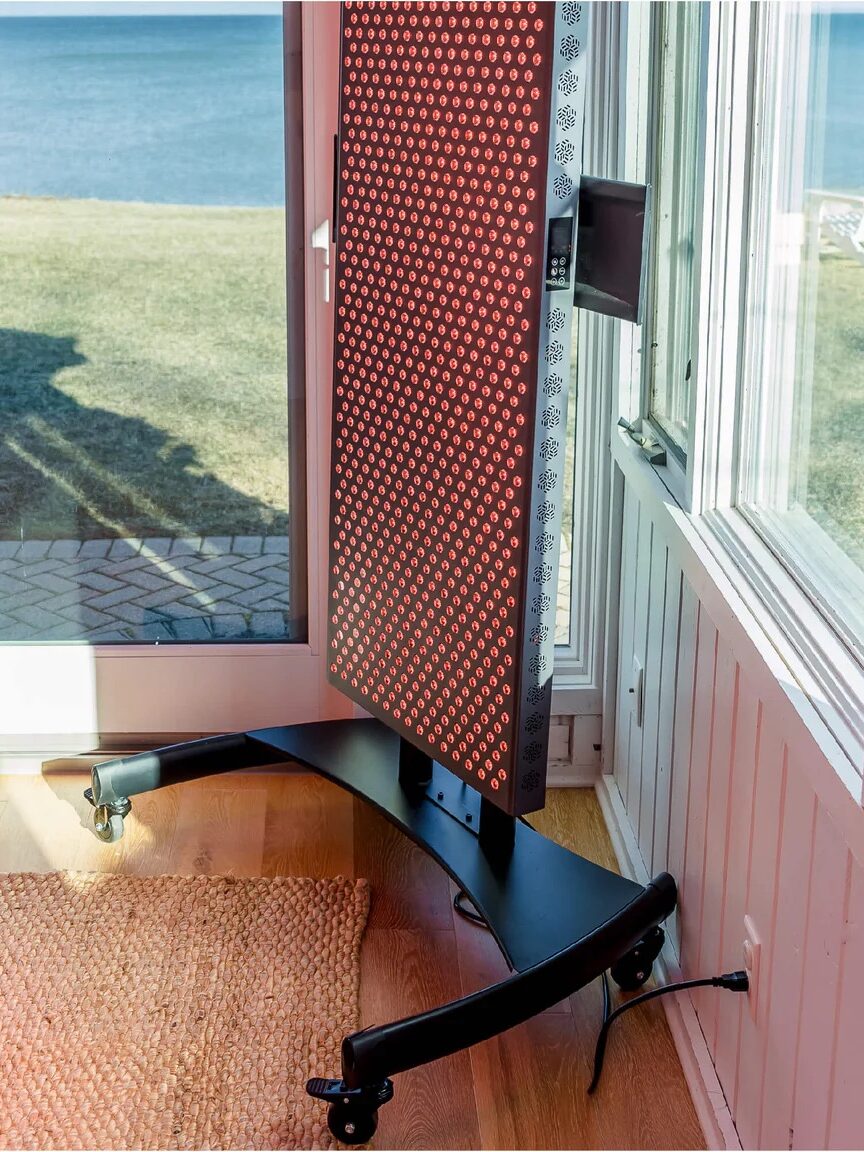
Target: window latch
652,450
321,239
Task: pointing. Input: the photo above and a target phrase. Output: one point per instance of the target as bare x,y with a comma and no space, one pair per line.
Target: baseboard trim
708,1098
563,775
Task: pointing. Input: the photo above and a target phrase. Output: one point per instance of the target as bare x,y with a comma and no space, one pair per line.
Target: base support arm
114,781
375,1054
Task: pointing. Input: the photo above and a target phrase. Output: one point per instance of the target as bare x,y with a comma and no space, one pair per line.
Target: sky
138,8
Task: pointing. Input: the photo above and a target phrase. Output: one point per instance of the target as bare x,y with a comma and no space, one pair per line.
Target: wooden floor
525,1089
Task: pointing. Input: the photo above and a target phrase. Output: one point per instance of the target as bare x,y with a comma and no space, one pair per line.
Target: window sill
793,657
811,553
672,474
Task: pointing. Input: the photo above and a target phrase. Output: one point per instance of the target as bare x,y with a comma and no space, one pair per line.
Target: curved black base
559,919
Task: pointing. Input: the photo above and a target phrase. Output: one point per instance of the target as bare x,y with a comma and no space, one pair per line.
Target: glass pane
674,170
805,482
143,383
829,473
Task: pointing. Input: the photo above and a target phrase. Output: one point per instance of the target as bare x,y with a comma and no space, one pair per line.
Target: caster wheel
352,1123
634,968
107,825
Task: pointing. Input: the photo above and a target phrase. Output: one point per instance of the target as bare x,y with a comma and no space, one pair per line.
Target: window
801,482
151,415
673,172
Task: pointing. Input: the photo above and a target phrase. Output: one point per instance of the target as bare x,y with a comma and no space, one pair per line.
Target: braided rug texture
173,1011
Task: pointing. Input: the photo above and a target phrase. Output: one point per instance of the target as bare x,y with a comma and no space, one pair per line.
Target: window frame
77,697
658,68
758,486
821,664
639,82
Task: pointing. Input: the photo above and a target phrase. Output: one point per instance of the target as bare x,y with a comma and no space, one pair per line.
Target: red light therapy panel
460,142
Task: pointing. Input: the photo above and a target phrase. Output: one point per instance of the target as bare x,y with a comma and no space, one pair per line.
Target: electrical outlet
752,962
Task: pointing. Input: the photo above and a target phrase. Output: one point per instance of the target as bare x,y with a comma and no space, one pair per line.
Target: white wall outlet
752,963
638,689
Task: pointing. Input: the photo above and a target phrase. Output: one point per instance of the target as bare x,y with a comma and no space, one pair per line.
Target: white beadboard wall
717,792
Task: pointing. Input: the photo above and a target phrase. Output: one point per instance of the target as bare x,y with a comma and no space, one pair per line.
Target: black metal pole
497,830
415,767
145,771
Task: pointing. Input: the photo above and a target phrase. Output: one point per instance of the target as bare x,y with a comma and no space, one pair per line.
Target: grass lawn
142,370
835,488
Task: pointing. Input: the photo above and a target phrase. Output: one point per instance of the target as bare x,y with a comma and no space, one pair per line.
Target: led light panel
459,161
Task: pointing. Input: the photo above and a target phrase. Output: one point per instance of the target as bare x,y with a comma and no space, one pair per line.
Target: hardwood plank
221,830
404,971
642,1098
50,826
572,818
517,1111
28,825
530,1087
409,890
309,828
514,1073
148,844
530,1082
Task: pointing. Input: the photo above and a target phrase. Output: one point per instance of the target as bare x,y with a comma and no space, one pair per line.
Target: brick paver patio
141,591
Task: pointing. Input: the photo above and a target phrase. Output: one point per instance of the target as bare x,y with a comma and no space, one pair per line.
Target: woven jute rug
171,1011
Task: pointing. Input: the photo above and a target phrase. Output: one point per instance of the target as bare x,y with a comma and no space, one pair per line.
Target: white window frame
638,64
768,428
76,697
741,144
660,68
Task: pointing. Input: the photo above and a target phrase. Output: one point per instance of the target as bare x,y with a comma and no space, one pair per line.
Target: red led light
444,124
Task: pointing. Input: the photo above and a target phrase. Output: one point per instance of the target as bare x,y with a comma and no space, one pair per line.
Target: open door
164,465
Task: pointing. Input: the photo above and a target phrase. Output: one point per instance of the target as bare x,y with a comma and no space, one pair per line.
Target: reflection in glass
803,465
144,439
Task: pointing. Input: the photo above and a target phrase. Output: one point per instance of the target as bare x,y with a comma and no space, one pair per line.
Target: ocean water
188,109
838,116
170,109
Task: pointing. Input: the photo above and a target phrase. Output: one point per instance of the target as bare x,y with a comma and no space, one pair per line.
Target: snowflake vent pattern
564,172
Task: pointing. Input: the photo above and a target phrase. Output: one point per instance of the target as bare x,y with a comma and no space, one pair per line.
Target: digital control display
559,253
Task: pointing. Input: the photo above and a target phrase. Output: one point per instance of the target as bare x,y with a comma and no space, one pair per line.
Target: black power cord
467,913
734,981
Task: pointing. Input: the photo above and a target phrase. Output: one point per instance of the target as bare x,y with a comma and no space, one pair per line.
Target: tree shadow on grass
71,471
